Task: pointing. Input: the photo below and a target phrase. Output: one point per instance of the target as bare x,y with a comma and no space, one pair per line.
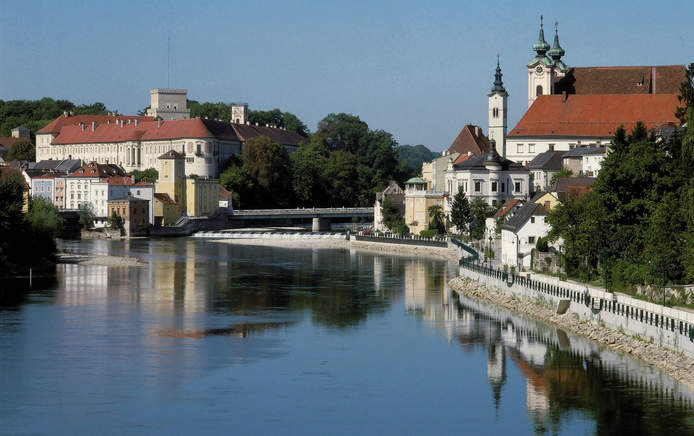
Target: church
572,107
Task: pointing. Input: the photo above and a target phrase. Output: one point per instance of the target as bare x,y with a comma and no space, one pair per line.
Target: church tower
498,103
540,69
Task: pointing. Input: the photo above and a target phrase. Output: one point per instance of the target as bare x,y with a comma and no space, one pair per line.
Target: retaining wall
415,240
666,326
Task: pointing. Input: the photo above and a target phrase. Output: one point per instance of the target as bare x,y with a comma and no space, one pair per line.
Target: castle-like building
135,142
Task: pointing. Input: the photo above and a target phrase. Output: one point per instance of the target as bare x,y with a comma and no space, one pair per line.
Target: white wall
509,240
524,155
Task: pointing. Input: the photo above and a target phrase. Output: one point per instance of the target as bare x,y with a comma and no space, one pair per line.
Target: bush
86,212
402,229
542,245
429,233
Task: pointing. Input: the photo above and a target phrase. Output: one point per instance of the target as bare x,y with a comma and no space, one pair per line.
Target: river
212,338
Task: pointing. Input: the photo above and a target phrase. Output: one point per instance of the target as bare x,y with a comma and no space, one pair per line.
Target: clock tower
498,103
545,67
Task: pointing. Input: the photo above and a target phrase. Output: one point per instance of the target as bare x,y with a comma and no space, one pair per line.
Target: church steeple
541,45
498,87
556,52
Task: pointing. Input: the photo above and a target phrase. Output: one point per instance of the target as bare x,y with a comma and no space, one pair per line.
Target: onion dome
541,45
492,157
556,52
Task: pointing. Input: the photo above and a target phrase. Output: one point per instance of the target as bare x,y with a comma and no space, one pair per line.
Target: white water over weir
270,235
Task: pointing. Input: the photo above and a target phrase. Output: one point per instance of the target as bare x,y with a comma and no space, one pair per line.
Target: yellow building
546,199
177,195
202,196
418,200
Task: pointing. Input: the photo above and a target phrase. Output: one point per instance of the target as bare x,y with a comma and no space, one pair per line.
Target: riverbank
412,250
676,364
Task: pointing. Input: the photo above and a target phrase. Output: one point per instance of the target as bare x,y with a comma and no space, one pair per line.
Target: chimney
83,126
158,123
653,89
477,131
128,121
93,126
132,178
65,114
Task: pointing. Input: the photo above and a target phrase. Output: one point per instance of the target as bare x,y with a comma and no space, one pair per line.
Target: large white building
135,142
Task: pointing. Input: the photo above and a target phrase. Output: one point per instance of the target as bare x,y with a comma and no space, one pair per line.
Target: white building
169,104
520,233
543,167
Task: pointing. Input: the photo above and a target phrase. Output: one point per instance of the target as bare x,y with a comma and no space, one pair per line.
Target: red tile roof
56,125
622,80
594,115
462,158
470,139
506,208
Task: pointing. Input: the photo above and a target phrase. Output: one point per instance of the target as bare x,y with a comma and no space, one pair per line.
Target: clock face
539,70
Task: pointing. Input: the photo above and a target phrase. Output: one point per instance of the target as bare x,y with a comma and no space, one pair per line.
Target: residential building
546,199
396,195
418,200
489,177
43,187
504,213
78,186
570,187
434,172
592,161
202,196
520,234
543,167
133,211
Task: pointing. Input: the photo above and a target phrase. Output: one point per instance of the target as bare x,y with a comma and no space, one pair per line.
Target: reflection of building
496,370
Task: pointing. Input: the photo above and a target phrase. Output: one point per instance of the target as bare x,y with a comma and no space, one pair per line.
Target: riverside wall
668,327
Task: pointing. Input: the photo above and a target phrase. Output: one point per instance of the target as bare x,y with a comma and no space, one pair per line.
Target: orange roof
622,80
101,171
594,115
56,125
462,158
9,142
163,197
506,208
470,139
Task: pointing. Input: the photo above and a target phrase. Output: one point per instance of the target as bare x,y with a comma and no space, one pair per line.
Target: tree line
343,163
636,225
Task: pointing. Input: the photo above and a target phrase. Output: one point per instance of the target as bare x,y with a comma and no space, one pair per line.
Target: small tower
169,104
556,53
498,103
239,113
540,69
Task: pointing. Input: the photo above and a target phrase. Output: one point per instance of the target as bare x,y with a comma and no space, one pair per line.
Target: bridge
321,216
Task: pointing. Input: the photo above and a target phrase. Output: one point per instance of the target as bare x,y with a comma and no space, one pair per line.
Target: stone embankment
676,364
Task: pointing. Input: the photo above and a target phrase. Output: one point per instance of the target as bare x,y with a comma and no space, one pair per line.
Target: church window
538,91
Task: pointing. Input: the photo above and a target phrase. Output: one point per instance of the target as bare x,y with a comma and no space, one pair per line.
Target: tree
564,172
269,166
391,218
308,179
150,175
86,213
115,221
436,223
478,211
22,150
341,175
44,216
461,215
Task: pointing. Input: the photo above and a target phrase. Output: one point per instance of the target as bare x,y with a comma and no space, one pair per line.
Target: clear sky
419,70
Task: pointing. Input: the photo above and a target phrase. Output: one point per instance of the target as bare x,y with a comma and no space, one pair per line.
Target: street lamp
490,249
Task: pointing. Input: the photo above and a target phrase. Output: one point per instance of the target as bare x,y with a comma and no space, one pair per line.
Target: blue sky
419,70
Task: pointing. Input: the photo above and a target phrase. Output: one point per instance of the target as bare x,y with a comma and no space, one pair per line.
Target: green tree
391,218
478,211
150,175
308,178
237,179
269,166
436,223
86,213
43,216
341,174
115,221
564,172
461,215
22,150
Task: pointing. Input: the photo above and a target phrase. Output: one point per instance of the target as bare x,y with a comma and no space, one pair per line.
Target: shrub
427,233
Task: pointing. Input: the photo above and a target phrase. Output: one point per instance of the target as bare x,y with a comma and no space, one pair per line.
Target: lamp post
490,249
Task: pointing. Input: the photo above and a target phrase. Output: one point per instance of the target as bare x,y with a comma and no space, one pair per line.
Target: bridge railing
440,241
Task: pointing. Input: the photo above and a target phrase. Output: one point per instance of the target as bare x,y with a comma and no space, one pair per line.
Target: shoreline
674,363
98,259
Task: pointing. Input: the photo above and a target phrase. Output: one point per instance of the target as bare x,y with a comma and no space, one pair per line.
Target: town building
489,177
520,233
82,186
543,167
585,160
418,200
546,199
135,142
571,187
133,211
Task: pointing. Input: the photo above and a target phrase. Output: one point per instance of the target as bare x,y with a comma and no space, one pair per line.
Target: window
517,187
532,220
519,148
190,159
531,148
503,187
551,147
531,239
572,146
538,91
478,186
494,186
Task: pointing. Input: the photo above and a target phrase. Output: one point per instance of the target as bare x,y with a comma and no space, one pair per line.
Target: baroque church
571,107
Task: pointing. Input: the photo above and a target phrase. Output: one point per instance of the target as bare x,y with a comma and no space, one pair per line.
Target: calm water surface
212,338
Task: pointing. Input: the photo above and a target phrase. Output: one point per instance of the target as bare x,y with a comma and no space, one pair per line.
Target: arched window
538,91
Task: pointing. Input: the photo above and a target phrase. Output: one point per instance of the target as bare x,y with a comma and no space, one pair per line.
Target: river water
212,338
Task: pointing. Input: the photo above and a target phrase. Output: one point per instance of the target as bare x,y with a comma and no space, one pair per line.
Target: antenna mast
168,60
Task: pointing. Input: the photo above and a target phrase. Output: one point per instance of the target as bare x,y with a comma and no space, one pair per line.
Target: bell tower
498,104
540,69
